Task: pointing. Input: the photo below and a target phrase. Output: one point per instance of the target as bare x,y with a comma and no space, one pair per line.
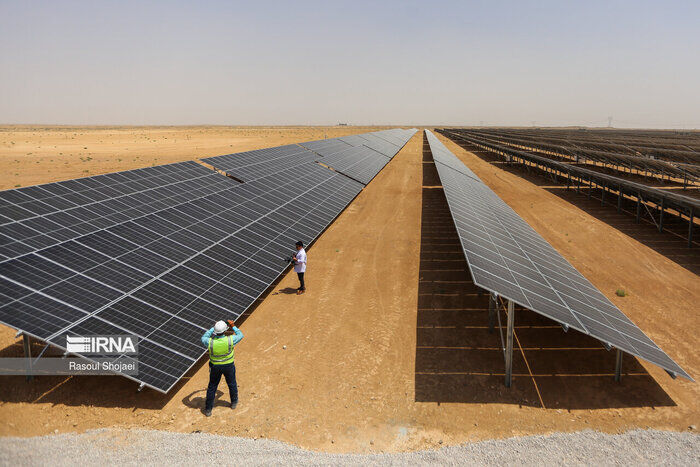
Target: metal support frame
509,344
618,365
26,341
41,354
492,311
662,208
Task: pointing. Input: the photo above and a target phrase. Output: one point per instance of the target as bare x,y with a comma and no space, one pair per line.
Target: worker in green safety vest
221,361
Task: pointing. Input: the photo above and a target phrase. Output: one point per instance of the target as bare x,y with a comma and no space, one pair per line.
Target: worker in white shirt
300,266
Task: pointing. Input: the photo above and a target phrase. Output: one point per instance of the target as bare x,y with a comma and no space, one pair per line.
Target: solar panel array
508,257
161,252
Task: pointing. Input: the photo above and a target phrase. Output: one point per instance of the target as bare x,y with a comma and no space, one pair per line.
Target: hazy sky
380,62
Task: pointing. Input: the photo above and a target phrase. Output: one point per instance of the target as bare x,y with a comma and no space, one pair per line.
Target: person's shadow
286,290
197,402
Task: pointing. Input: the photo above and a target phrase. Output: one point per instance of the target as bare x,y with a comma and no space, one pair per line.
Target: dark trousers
301,281
215,372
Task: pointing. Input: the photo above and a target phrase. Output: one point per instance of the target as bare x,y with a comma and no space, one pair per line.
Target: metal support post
590,187
618,365
690,228
662,208
492,311
509,344
639,208
619,199
26,341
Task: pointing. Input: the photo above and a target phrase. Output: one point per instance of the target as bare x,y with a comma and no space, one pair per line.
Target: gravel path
133,447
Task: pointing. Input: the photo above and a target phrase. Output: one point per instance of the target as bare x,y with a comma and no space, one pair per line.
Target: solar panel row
326,147
508,257
358,162
197,248
361,156
381,146
251,165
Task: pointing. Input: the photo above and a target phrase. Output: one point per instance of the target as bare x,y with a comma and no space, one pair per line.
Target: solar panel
352,140
506,256
389,144
167,276
360,163
381,146
396,136
44,215
360,156
252,165
326,147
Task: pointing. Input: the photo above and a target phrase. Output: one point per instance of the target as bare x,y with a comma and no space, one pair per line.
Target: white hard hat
220,327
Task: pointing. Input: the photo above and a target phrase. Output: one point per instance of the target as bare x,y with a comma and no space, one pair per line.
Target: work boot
207,413
299,292
233,405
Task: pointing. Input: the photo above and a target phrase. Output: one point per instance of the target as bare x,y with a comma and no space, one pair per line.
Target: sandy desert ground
388,350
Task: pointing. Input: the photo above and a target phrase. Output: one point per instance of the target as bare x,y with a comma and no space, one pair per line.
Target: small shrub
620,292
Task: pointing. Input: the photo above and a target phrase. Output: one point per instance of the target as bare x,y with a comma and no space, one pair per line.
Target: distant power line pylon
609,122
